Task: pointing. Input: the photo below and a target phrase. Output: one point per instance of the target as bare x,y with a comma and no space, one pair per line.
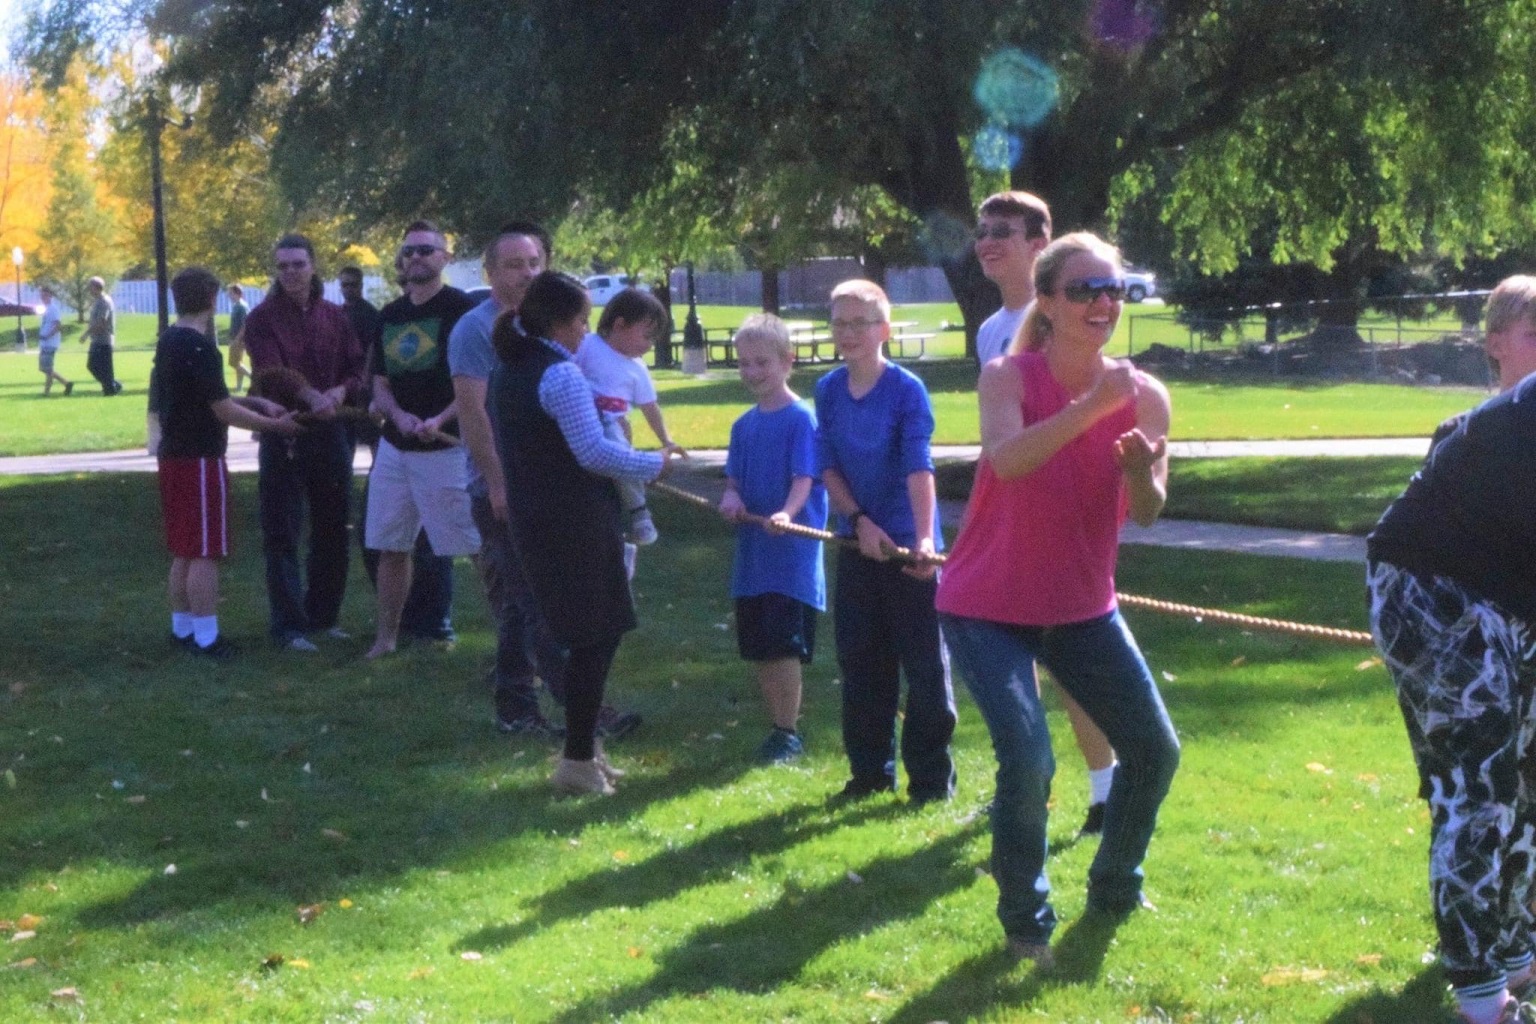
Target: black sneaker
859,789
222,649
1093,825
531,724
613,724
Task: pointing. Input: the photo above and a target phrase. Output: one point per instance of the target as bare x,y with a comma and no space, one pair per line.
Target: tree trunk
663,292
770,288
874,264
977,297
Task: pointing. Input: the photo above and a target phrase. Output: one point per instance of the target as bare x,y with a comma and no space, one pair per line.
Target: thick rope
1345,636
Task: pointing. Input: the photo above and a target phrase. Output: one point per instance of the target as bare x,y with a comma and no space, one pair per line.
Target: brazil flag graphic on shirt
411,347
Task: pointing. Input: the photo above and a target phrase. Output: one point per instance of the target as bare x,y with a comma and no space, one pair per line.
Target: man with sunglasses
1011,229
295,327
419,476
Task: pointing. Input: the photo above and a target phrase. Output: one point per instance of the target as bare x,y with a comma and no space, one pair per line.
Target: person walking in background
237,314
50,334
295,327
101,326
1072,443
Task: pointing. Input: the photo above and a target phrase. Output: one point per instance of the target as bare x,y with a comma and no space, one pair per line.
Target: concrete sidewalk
703,476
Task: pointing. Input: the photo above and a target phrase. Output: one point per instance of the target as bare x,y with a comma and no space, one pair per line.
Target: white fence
139,296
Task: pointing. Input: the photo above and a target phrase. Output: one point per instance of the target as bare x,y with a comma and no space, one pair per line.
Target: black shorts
774,626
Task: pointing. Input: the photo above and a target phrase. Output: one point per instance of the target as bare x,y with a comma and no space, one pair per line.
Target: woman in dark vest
565,512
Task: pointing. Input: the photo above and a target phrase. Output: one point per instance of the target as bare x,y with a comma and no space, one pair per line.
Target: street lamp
695,353
156,124
21,332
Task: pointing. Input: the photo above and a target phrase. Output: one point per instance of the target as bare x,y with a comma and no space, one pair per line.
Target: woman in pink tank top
1072,443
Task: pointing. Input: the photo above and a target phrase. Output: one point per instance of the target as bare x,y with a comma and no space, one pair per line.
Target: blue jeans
1098,664
885,626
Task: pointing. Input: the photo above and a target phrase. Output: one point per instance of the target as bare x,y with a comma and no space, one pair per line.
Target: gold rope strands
1344,636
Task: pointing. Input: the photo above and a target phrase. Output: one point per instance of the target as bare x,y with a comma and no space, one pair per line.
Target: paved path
704,477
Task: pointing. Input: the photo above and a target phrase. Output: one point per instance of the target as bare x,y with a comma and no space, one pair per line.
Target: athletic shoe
642,529
1039,952
600,759
337,633
69,389
577,778
1093,825
222,649
300,642
1514,1012
531,724
781,747
614,724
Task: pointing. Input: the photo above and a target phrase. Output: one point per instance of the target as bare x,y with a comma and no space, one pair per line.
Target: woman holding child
1072,443
565,511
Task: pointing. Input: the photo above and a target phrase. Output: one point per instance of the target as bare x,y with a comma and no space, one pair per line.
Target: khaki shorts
411,490
45,359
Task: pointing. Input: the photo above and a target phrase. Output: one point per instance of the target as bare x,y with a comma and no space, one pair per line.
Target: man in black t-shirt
1452,581
419,475
196,411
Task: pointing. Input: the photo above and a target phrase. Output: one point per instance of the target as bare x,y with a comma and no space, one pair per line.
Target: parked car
605,286
1139,284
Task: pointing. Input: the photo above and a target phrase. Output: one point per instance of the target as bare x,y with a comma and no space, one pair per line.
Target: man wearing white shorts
420,474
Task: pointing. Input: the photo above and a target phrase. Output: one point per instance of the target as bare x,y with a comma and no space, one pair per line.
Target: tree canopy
1318,121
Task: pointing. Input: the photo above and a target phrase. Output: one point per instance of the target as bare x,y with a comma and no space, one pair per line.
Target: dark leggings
586,674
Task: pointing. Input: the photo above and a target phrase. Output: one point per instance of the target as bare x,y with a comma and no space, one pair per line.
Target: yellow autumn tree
24,177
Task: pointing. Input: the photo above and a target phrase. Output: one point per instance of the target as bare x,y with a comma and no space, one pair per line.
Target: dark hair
1037,216
194,290
356,272
522,227
294,240
235,287
552,297
422,225
630,305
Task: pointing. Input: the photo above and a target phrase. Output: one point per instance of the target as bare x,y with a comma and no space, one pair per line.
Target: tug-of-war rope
1344,636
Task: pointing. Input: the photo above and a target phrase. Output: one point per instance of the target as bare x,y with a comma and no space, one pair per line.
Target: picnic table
904,339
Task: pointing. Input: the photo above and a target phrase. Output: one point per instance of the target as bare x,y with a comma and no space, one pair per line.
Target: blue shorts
774,626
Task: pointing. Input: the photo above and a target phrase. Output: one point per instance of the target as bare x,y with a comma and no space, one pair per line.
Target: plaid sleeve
565,394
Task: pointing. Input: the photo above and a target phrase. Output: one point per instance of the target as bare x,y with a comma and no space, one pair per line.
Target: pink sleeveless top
1039,550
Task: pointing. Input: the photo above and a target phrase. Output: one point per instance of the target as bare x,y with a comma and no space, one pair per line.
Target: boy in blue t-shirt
875,426
778,583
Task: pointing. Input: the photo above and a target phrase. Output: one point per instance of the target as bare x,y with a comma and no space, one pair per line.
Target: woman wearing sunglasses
1072,443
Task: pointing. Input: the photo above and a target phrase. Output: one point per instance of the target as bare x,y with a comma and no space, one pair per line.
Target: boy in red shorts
196,411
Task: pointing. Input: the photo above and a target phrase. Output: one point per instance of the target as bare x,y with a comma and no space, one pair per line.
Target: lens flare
1016,90
944,237
1123,24
997,149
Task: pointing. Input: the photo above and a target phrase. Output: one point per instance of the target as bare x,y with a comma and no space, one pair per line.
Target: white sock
1098,784
1483,1009
181,625
205,629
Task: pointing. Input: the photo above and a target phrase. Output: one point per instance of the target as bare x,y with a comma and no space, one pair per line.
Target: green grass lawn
167,820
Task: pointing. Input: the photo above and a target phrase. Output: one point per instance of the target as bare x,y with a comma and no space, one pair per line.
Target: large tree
470,109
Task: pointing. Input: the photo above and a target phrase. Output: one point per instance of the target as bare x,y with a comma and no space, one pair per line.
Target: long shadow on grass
772,946
1422,1001
668,874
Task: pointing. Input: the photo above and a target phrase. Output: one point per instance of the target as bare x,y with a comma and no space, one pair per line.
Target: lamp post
695,353
21,332
156,124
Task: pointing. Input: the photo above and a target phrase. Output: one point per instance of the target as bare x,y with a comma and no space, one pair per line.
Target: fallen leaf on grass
855,878
1239,660
336,834
877,996
135,799
1368,959
23,936
17,689
170,869
621,855
1292,975
273,961
309,911
1367,663
1170,677
470,954
300,963
419,973
67,995
1316,766
28,921
30,961
10,779
635,952
344,904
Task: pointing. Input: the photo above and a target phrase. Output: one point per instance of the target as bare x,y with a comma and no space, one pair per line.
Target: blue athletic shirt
875,442
768,450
